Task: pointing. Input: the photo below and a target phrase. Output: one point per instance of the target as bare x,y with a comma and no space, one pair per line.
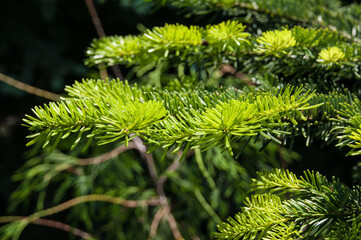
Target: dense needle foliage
202,110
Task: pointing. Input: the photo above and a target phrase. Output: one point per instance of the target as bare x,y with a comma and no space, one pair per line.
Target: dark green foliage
284,206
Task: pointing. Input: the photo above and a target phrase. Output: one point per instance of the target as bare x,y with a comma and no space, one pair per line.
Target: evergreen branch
314,13
282,181
115,111
349,132
113,50
50,223
262,217
282,205
317,209
170,41
29,89
325,50
229,121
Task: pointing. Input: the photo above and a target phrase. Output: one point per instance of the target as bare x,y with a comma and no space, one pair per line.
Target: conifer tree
205,107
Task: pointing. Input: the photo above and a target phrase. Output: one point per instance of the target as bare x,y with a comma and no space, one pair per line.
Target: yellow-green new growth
331,55
116,112
172,37
275,42
228,34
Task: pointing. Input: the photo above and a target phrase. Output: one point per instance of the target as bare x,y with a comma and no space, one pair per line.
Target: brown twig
155,222
95,18
50,223
29,89
103,72
173,226
93,198
158,181
101,33
173,167
117,72
282,160
226,68
159,186
102,158
64,227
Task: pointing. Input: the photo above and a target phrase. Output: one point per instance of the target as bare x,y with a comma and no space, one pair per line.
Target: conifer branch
115,111
324,50
318,208
129,113
282,205
311,13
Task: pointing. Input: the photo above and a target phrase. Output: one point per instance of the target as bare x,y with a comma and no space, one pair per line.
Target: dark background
43,43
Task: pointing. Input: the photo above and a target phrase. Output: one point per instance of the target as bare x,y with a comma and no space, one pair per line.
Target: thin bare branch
109,155
95,18
50,223
281,159
117,72
158,182
147,156
92,198
173,167
101,33
155,222
228,69
103,72
64,227
29,89
173,226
